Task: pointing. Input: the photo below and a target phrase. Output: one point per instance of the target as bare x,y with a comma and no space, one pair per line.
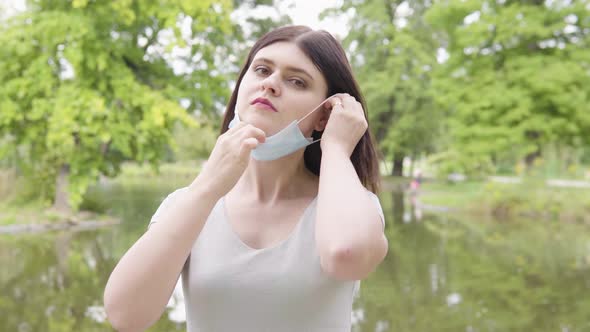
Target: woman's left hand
346,125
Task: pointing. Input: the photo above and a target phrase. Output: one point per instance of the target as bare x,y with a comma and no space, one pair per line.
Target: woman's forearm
142,282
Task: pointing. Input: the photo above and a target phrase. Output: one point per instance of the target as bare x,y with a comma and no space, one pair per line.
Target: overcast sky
306,12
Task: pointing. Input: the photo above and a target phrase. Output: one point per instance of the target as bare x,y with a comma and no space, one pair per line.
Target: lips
264,101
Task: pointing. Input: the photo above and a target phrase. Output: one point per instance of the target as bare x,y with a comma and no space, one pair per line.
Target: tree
393,52
89,84
247,26
517,78
253,25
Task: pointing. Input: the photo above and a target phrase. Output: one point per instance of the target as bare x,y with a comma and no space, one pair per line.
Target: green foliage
532,198
255,26
535,200
178,174
89,84
250,25
194,144
517,78
393,63
514,86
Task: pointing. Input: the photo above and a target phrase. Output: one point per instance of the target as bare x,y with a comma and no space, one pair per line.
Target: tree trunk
398,166
530,159
62,202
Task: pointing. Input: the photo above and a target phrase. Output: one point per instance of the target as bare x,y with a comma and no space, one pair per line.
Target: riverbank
22,212
529,198
35,218
502,200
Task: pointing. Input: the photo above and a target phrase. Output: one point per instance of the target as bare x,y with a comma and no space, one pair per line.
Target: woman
262,241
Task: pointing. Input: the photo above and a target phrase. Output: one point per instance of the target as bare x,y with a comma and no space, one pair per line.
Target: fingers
237,127
247,137
343,99
334,101
349,107
249,131
244,130
349,101
247,146
241,139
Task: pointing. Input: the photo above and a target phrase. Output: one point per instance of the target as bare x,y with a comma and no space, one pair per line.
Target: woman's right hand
229,158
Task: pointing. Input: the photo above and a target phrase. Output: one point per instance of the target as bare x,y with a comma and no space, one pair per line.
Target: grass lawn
454,196
176,173
532,198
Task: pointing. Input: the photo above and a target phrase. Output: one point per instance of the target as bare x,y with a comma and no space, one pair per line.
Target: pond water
443,272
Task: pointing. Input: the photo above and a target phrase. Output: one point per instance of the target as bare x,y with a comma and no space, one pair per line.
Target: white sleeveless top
229,286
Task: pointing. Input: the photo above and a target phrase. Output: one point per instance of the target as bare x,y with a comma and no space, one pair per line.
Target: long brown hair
329,57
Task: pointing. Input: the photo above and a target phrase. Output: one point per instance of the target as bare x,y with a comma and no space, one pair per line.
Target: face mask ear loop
315,109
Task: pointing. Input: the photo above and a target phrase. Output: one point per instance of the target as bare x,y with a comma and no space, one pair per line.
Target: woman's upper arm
164,206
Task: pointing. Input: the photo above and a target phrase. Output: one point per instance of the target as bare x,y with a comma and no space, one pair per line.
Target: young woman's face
283,76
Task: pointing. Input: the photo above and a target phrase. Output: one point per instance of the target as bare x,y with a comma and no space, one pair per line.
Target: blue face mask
283,143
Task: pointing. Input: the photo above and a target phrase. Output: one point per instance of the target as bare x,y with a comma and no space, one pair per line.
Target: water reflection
406,207
443,273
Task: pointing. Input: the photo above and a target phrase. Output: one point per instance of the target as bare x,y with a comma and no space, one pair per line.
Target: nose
271,84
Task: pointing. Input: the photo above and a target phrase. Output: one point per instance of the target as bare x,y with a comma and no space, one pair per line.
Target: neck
269,181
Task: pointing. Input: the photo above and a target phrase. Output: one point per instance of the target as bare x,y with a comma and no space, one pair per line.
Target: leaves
80,89
393,63
513,82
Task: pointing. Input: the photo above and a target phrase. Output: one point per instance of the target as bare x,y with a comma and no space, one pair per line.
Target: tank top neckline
278,245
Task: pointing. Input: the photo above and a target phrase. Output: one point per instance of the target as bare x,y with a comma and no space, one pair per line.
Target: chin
263,123
269,130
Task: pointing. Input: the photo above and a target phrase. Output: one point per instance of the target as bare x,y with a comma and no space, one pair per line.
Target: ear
322,120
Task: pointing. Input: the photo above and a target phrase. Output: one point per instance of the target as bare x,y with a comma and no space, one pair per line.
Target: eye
261,70
298,83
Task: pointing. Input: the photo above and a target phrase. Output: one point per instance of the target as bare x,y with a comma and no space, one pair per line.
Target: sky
306,12
9,7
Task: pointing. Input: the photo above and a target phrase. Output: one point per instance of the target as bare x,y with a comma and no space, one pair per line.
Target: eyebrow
289,68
